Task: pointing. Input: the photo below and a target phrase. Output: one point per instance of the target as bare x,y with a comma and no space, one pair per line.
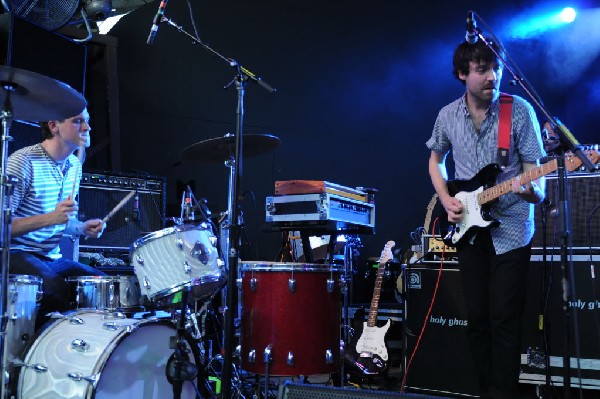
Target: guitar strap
504,127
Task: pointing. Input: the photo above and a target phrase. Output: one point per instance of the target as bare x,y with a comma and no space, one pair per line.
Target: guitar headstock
386,254
572,162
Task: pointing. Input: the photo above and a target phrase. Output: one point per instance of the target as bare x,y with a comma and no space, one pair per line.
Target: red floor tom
290,318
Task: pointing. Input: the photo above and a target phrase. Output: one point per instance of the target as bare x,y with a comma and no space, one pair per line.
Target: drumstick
119,206
80,156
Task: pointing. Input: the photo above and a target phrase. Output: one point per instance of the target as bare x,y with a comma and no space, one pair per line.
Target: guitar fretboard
499,190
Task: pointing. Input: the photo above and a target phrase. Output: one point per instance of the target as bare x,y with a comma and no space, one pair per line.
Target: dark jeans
494,288
53,274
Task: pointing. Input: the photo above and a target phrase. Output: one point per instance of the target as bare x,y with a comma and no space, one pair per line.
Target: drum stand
6,190
179,367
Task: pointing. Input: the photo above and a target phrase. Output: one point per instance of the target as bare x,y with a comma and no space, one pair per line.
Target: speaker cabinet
290,390
442,362
584,196
100,193
544,296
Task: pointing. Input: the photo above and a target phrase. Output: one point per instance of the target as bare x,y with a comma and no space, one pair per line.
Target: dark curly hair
46,133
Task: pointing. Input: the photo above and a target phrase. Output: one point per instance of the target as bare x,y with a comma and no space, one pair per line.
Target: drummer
44,208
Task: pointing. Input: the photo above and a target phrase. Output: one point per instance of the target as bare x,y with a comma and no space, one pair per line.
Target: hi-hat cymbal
221,149
36,98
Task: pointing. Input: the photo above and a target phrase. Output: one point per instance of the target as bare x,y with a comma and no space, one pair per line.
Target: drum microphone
472,32
135,214
188,207
157,20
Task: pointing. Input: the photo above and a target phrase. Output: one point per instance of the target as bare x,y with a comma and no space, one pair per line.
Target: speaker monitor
100,193
304,391
442,362
584,197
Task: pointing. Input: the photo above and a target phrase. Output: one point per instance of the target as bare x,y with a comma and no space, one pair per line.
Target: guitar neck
499,190
372,321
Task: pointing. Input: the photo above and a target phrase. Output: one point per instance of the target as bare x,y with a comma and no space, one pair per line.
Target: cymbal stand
352,244
241,77
7,183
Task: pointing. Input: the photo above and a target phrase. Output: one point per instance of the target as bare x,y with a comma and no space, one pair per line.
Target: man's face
483,80
74,131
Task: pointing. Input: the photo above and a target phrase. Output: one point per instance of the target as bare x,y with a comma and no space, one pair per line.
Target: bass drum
89,354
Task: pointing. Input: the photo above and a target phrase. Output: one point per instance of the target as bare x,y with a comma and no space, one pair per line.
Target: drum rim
174,289
100,278
24,278
167,231
289,266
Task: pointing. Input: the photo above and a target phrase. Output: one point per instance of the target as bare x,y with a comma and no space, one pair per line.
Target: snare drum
111,293
169,260
23,294
88,354
290,317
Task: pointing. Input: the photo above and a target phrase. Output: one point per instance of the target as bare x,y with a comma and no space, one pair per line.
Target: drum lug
146,283
38,368
330,285
267,354
139,260
252,356
80,345
328,356
14,296
186,267
253,284
179,244
290,359
239,283
72,319
292,285
92,379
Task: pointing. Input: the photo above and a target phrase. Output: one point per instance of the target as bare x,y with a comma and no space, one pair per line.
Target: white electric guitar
372,355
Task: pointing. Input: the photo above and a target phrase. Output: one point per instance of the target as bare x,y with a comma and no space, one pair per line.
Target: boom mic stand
568,143
240,79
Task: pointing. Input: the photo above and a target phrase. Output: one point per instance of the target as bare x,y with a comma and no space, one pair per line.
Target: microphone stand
568,142
240,79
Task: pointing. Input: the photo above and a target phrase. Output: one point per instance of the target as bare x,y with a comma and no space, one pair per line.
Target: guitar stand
179,366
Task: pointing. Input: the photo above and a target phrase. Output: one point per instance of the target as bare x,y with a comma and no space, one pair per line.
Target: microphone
157,20
135,214
188,206
472,33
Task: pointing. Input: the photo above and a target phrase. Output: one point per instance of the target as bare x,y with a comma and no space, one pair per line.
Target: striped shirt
472,150
42,184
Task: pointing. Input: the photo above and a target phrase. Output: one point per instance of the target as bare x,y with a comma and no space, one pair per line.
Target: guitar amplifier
99,193
584,198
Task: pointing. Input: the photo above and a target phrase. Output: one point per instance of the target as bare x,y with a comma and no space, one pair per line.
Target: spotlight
568,14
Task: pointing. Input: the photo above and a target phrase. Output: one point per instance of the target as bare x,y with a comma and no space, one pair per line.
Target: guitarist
493,262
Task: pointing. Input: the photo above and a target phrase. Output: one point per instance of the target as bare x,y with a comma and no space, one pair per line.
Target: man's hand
453,208
64,211
93,228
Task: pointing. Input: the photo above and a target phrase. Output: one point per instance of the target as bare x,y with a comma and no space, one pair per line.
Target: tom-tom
290,318
110,293
24,292
176,258
90,354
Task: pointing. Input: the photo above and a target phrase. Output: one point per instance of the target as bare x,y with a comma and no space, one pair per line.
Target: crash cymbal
35,97
222,148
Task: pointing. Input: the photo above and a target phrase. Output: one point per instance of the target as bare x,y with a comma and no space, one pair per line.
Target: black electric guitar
475,196
371,356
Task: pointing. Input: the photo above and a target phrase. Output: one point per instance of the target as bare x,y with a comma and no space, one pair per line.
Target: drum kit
109,345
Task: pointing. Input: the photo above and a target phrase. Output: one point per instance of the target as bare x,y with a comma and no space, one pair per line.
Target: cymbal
36,98
221,149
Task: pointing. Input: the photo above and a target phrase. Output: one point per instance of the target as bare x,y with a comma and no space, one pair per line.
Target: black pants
494,288
53,274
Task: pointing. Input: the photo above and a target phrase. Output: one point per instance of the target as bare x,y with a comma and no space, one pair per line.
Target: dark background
359,85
